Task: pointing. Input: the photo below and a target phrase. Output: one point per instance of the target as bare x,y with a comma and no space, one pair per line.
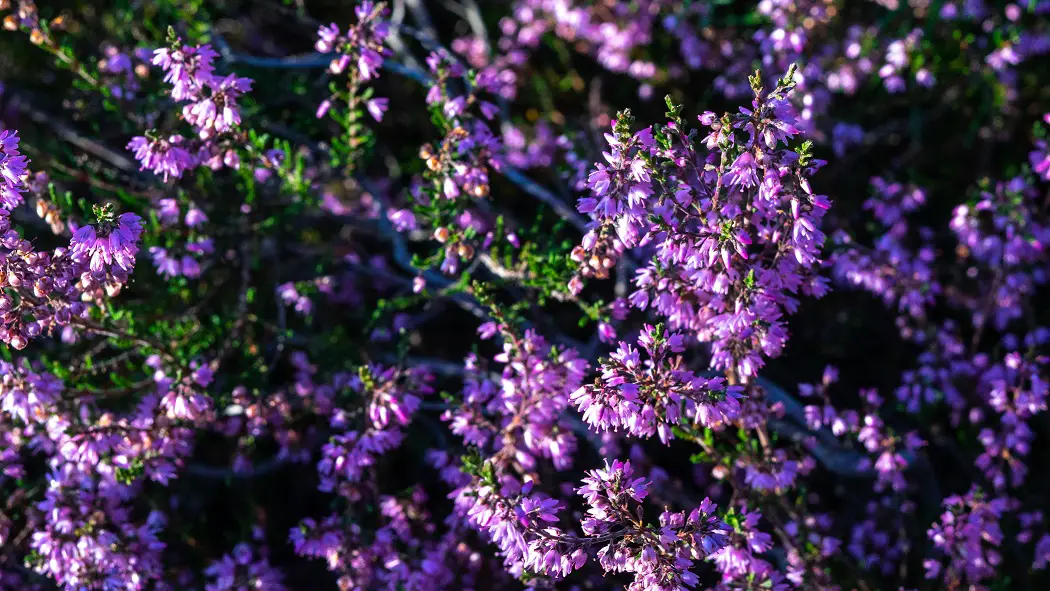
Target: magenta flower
377,106
111,242
218,112
188,69
165,157
12,169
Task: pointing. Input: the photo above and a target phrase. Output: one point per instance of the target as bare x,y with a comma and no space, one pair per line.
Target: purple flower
195,217
113,241
12,169
326,38
218,112
376,107
369,63
164,157
189,69
242,570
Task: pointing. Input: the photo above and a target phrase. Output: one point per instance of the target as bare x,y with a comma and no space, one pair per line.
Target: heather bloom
368,64
27,395
166,265
359,51
377,107
393,397
707,276
183,404
165,157
666,559
524,526
217,112
289,295
88,535
326,38
709,230
1042,553
621,188
1040,157
168,211
195,217
188,69
648,397
522,412
242,570
740,556
12,169
114,240
968,536
743,172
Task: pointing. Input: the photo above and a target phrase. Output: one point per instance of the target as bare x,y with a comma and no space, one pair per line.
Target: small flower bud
575,285
441,234
36,37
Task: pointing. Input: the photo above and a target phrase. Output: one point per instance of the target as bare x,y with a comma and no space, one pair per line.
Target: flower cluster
12,169
647,398
704,216
212,110
418,321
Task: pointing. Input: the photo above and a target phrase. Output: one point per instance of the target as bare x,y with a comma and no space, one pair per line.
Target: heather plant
553,294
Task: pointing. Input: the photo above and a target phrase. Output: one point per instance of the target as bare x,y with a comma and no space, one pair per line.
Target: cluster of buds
50,214
456,249
45,208
596,255
454,177
26,18
25,15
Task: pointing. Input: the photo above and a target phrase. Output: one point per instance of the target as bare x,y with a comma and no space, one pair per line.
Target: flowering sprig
241,569
523,526
113,240
391,396
359,55
711,237
12,169
705,215
212,110
968,536
649,397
